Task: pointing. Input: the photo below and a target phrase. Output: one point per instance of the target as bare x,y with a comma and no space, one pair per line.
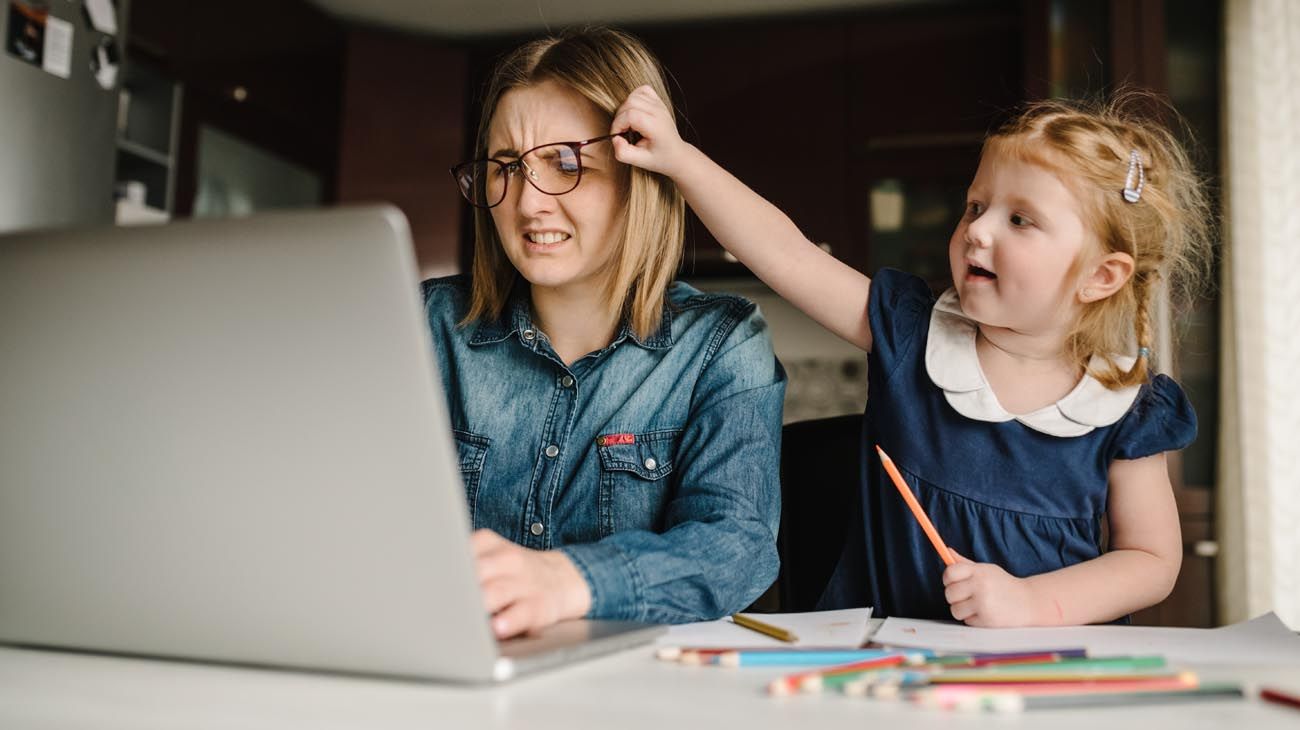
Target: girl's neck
577,320
1026,372
1030,351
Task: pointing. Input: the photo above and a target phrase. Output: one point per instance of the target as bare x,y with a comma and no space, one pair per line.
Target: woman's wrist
573,592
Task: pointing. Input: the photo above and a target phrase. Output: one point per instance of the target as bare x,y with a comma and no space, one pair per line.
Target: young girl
1006,404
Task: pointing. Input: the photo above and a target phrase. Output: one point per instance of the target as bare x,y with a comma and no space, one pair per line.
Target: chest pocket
471,451
635,487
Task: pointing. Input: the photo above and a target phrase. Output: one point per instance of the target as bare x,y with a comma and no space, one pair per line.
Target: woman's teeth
547,237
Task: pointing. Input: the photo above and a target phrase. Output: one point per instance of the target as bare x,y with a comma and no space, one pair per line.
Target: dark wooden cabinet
268,73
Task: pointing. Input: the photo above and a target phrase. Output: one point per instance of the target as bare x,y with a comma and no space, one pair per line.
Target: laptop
226,441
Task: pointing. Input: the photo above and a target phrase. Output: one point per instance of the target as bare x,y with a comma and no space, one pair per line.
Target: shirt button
567,381
530,335
537,528
651,463
552,450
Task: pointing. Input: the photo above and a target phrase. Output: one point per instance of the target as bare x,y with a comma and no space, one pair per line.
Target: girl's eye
974,209
1020,221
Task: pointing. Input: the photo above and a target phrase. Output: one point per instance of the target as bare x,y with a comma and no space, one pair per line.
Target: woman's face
563,242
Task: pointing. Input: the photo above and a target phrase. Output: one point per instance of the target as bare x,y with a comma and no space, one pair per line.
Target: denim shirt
652,463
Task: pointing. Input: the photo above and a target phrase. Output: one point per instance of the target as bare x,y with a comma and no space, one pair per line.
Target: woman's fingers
517,619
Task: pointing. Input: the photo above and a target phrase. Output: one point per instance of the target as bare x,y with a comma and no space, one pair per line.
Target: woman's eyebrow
505,152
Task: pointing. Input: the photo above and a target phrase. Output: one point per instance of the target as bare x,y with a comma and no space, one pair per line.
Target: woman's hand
983,594
660,149
525,589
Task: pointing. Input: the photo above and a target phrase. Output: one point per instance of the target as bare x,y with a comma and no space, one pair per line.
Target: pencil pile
1010,682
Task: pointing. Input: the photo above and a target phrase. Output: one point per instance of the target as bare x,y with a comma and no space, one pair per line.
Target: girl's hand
660,148
983,594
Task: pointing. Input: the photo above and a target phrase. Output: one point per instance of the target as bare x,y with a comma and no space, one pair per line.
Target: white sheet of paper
102,15
57,54
844,629
1261,641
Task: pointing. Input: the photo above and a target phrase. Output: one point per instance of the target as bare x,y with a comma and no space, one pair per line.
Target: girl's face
1013,254
563,242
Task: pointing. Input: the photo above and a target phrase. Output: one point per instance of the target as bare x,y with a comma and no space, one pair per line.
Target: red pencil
915,506
1280,697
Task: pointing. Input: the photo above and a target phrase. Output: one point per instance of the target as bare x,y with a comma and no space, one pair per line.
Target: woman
619,432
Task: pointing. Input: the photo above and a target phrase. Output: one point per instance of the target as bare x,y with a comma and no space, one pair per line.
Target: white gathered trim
953,365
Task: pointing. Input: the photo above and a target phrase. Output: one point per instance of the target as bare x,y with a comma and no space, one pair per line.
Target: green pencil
1011,702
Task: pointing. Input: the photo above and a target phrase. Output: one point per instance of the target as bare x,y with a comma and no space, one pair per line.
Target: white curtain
1259,479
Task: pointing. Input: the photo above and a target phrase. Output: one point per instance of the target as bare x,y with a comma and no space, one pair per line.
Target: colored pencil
753,624
993,659
797,658
812,681
952,696
1280,697
1086,668
915,506
705,653
1014,703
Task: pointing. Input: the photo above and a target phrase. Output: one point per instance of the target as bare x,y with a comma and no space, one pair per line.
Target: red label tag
614,439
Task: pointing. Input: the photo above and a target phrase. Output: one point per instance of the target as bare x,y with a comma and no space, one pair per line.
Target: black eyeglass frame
512,167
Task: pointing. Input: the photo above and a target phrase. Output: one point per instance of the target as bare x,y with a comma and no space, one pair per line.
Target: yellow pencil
776,632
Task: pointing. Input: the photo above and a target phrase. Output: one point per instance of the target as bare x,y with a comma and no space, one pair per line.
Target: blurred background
861,119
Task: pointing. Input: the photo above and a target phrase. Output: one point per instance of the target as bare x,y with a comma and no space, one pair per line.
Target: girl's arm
1138,571
752,229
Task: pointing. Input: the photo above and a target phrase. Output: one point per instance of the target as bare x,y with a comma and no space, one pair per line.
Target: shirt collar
953,365
516,319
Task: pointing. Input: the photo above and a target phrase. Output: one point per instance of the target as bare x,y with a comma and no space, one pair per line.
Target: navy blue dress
1000,493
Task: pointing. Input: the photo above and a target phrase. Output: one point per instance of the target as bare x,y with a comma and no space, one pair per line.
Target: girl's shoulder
1161,419
898,308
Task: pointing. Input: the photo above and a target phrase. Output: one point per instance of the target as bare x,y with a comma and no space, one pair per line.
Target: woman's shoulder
714,322
681,296
446,297
446,288
446,302
692,308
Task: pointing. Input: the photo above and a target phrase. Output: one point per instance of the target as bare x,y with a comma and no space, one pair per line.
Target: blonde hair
604,66
1166,232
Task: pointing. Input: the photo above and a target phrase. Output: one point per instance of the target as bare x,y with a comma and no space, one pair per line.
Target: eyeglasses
554,169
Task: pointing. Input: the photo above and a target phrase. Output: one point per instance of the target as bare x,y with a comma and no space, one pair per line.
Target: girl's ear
1106,276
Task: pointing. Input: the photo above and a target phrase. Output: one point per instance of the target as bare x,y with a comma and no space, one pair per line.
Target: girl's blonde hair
1167,231
604,66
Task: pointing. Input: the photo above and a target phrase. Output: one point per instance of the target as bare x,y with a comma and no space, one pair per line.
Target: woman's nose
531,200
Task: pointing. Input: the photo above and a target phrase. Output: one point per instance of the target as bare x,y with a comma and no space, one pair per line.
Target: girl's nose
978,233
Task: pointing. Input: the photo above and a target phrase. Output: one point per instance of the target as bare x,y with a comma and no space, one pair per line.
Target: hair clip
1135,174
1143,352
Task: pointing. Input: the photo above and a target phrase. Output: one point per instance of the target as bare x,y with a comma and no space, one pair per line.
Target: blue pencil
798,658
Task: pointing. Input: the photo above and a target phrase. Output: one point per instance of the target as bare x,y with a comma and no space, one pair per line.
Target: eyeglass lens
553,169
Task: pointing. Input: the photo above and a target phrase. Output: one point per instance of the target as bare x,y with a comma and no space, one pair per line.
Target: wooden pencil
926,525
1282,698
753,624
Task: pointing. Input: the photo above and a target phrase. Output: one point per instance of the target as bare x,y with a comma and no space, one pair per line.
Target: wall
403,126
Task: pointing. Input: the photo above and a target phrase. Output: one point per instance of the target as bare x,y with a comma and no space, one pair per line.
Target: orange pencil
919,513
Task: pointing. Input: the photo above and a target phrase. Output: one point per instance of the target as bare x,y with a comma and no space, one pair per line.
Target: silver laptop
226,441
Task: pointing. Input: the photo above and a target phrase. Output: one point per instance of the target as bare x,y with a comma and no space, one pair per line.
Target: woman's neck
576,321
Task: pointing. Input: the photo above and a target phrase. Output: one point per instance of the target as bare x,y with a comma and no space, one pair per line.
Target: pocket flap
648,455
471,450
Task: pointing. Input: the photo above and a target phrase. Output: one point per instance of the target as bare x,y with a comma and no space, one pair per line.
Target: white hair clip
1135,174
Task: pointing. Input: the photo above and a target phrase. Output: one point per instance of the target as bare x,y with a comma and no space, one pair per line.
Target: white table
63,690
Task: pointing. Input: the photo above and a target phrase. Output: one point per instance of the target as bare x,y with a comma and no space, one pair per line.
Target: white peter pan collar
953,365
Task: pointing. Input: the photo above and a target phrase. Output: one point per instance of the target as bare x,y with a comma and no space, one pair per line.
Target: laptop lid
226,440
